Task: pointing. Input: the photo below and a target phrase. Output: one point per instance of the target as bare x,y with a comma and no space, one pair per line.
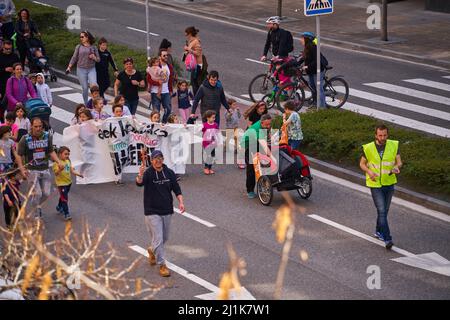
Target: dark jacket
158,188
277,39
311,61
20,29
211,98
102,67
6,61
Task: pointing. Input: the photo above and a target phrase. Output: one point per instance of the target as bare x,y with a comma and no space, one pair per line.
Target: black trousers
103,82
196,80
250,181
10,214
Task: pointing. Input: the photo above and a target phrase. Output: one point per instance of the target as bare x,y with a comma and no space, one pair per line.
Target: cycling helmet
309,35
274,19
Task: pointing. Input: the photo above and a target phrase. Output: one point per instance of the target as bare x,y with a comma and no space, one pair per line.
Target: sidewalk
417,34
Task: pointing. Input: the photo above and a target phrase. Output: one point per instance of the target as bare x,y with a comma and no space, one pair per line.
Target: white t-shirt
165,85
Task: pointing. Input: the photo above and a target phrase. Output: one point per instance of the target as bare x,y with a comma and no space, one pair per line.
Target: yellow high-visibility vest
381,166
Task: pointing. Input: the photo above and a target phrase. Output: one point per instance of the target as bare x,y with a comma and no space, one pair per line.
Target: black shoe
389,245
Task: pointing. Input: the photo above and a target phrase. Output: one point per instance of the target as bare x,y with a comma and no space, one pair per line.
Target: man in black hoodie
159,182
7,59
211,95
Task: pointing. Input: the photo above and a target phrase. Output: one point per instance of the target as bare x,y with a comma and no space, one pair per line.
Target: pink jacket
17,90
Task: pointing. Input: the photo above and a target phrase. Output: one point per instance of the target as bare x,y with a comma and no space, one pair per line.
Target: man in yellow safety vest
381,162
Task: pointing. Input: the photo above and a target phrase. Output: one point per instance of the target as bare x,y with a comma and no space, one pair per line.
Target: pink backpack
190,62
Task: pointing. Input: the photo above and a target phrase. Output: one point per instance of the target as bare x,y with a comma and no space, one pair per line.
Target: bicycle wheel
260,86
290,92
269,99
336,92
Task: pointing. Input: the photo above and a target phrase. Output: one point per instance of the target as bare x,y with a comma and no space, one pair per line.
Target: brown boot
164,271
151,257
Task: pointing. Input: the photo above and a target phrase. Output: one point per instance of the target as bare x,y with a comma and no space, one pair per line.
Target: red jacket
152,83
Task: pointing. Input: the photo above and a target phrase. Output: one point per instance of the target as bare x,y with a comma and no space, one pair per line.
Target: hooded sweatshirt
211,98
43,91
158,188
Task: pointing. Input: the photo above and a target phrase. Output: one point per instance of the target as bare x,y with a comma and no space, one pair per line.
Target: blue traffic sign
318,7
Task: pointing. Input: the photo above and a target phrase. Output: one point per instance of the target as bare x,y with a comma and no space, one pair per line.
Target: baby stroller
291,173
38,60
36,108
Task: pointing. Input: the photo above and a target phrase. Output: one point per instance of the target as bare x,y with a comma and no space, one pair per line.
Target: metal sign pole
318,61
147,18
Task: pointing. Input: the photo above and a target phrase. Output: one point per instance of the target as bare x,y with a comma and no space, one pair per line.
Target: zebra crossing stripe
410,92
446,77
397,103
59,89
402,121
429,83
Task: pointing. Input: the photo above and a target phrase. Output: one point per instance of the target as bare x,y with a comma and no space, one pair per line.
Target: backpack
290,41
191,62
323,61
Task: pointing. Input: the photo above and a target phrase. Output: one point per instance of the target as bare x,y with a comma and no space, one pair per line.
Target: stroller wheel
265,190
304,187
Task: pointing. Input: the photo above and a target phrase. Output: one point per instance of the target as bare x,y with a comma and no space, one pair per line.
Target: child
173,118
10,120
232,122
210,131
63,181
117,111
40,61
155,117
120,99
85,115
11,200
7,150
43,90
98,113
291,119
184,100
156,73
76,117
22,122
32,77
95,94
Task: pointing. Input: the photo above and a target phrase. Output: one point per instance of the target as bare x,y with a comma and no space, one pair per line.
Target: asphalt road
228,46
338,260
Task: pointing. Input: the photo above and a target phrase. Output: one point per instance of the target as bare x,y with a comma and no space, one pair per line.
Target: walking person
43,90
25,29
184,100
194,46
85,56
256,138
7,59
11,198
19,88
381,162
292,121
159,183
210,136
128,83
210,96
36,149
102,67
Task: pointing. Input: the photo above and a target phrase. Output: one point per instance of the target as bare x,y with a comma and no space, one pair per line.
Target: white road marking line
199,220
397,103
44,4
256,96
74,97
359,234
429,83
143,31
59,89
410,92
62,115
403,121
257,61
205,284
446,77
395,200
58,139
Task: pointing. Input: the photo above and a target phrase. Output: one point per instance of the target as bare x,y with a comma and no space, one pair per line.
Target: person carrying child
291,119
63,180
157,74
210,135
184,100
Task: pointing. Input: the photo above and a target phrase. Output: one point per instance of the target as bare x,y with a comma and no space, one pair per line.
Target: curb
327,41
403,193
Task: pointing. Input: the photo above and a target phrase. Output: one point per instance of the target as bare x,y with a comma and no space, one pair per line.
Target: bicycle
295,91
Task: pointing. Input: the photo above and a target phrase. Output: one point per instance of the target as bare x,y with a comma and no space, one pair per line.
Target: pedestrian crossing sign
318,7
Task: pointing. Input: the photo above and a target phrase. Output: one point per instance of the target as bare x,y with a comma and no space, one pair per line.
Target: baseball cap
156,153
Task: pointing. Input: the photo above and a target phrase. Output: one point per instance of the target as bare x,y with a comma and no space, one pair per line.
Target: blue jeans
166,103
294,144
382,199
132,105
64,198
312,82
87,77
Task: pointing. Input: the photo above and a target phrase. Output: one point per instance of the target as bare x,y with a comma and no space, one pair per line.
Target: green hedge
338,136
60,42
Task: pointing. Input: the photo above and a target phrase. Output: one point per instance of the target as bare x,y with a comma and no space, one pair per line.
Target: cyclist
277,38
